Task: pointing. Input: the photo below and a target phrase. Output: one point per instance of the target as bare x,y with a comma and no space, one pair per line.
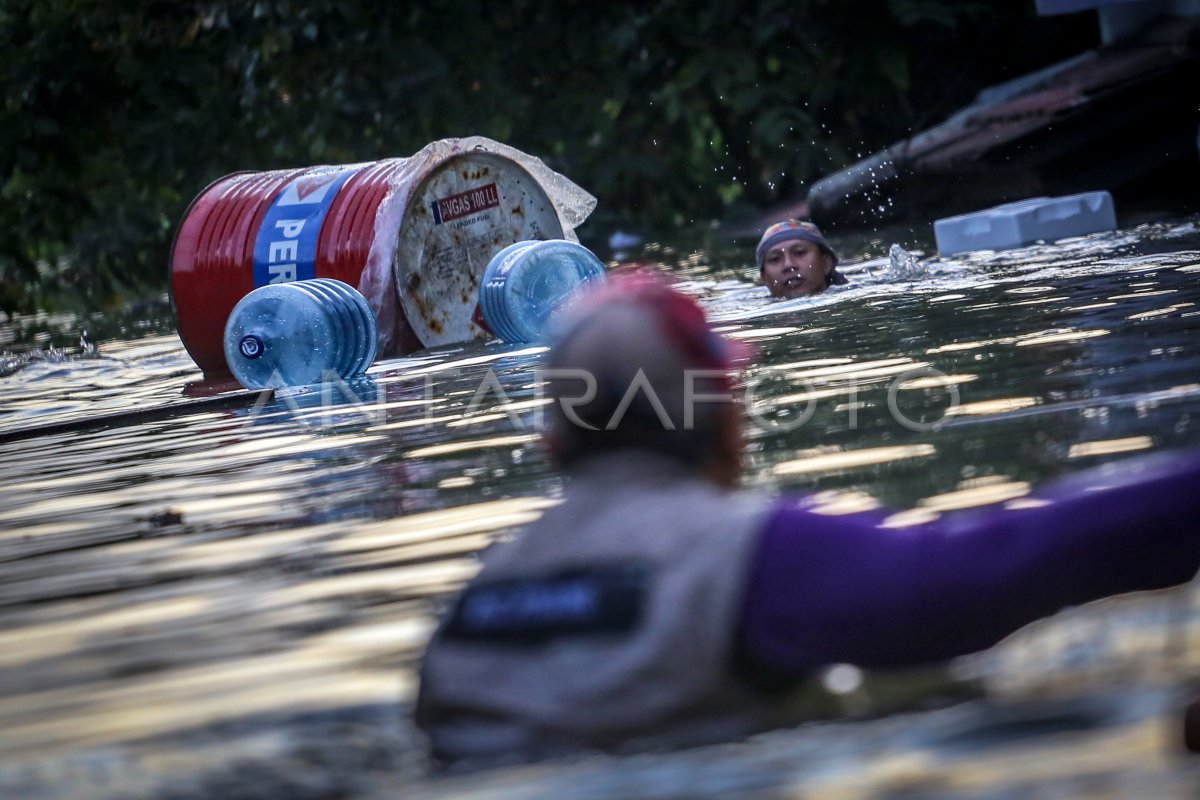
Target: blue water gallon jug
526,283
300,333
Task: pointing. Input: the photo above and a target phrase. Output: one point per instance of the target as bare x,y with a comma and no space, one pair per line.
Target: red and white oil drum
413,235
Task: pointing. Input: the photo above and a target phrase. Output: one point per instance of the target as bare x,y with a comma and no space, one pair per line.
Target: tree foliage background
116,114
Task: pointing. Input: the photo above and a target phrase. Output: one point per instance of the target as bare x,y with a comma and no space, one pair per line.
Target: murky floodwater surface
210,593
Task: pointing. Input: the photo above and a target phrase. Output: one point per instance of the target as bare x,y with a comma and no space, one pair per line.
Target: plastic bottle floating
527,282
299,333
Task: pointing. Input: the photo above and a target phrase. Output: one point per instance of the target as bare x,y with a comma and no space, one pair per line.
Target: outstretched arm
839,589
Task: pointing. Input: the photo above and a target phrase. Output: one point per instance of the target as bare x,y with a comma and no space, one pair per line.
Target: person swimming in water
794,259
657,607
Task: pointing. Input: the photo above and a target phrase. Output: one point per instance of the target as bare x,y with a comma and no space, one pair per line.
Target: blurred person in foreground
794,259
656,607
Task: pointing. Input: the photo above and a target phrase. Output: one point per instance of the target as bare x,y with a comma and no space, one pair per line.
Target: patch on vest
535,609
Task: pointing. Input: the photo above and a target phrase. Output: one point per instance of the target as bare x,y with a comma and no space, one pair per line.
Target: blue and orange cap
790,229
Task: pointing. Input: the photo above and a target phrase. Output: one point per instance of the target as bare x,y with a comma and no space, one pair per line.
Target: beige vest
668,682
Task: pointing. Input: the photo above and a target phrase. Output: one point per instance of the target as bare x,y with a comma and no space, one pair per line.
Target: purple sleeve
840,589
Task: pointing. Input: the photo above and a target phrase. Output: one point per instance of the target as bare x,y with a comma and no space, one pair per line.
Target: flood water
210,593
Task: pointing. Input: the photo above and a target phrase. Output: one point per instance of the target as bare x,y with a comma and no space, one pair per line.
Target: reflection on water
207,596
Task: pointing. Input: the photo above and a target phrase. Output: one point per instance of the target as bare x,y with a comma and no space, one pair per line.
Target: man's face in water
796,267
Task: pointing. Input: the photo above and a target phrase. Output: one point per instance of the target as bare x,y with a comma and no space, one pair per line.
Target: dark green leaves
115,115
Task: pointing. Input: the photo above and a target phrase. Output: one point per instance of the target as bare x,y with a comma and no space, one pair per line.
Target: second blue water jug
527,282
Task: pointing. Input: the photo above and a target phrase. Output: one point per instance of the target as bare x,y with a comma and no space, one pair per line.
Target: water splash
903,265
11,363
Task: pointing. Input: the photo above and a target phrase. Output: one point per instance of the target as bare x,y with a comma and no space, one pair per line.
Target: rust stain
518,211
422,309
435,326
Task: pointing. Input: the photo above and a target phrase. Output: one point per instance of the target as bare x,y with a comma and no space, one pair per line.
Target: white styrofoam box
1026,221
